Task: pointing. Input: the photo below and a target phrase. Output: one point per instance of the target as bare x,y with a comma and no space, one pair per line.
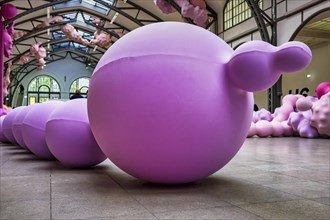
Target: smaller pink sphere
34,126
7,124
264,128
69,136
3,138
303,104
9,11
278,129
287,129
17,126
252,130
322,88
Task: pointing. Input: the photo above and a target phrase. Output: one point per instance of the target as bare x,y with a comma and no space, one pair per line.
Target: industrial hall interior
164,109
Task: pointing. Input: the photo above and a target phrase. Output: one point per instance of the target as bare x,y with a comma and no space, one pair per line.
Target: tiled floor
273,178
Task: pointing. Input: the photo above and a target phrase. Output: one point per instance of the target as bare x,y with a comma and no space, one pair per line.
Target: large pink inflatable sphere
170,102
70,138
34,126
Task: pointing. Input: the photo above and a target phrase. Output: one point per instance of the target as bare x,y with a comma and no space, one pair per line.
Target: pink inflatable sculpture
178,113
69,136
288,105
318,112
6,80
49,21
194,9
101,39
71,33
262,114
300,123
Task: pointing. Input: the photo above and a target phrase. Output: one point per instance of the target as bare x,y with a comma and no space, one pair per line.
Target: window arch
43,88
237,11
80,83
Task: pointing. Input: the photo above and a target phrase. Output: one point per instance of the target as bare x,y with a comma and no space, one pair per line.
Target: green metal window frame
236,12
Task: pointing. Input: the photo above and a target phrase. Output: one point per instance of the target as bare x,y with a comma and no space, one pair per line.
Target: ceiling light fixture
114,18
48,16
309,75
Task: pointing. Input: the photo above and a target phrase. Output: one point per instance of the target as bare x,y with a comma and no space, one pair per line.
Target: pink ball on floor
34,126
17,126
175,112
2,136
69,136
278,129
7,124
264,128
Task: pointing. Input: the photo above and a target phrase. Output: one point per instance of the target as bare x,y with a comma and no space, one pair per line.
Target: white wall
59,70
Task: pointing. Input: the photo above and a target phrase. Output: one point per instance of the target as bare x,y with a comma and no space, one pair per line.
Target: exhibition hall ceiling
117,17
34,24
317,31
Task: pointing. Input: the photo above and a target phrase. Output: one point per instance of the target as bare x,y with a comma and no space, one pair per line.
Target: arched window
237,11
80,83
43,88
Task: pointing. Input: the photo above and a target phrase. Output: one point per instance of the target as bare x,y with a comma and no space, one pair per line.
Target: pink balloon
252,130
2,136
177,112
7,124
264,128
278,129
69,136
9,11
34,126
287,129
17,126
322,88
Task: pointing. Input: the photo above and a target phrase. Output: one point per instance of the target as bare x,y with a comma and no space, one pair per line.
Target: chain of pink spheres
307,117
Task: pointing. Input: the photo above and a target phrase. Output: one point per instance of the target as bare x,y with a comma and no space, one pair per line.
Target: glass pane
32,98
73,86
83,90
54,96
43,98
44,89
33,86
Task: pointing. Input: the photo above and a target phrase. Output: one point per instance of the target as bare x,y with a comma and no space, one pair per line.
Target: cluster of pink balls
307,117
53,130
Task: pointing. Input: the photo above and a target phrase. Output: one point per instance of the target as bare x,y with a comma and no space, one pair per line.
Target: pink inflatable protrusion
176,113
69,136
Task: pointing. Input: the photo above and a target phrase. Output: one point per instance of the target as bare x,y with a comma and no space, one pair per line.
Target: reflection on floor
274,178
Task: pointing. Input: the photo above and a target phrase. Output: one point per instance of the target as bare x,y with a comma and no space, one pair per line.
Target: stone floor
270,178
